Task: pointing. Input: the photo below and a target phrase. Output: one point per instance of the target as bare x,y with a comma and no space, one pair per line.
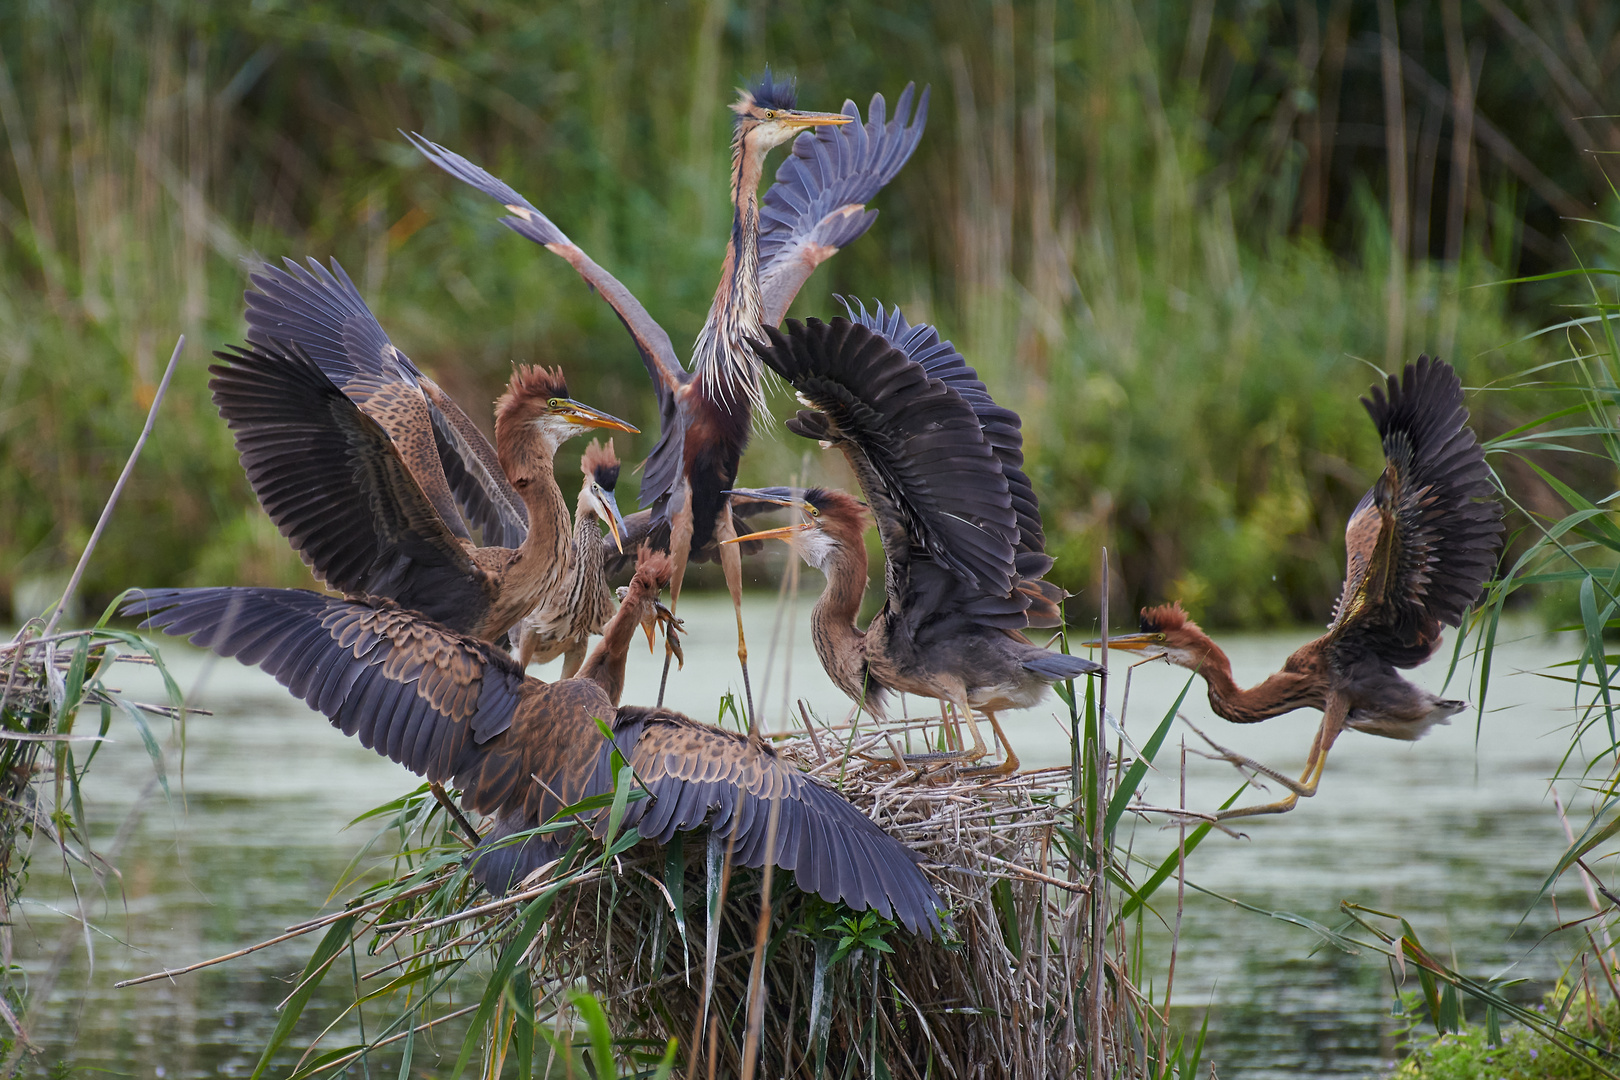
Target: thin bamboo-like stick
1096,1067
118,489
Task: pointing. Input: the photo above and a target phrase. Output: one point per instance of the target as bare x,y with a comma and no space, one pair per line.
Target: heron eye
770,114
554,403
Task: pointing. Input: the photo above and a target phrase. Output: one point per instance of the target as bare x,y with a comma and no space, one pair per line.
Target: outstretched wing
1002,427
410,690
663,367
817,204
323,313
335,485
1424,539
699,774
933,481
447,707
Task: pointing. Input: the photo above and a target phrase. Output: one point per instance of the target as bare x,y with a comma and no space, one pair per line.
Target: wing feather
334,483
1425,538
323,313
738,781
887,414
818,202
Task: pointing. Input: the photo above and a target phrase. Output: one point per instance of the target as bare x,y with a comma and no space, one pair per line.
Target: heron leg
1010,765
680,549
1333,718
958,708
731,563
572,660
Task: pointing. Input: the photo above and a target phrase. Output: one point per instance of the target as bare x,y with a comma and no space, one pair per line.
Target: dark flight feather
335,485
322,312
818,203
913,441
1425,538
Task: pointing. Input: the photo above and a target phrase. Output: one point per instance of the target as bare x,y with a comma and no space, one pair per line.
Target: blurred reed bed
1166,232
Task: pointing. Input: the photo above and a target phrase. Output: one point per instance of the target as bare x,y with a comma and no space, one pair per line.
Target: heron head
538,397
767,115
833,522
600,465
1165,631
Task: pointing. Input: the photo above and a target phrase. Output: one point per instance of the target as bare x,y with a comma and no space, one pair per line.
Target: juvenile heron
815,207
453,708
564,621
1421,544
345,495
939,463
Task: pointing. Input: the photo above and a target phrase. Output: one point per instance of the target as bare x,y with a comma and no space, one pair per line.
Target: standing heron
816,206
342,492
1421,544
563,622
939,463
453,708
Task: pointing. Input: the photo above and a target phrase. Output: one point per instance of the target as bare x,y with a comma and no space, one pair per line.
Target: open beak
611,515
1130,642
795,118
582,414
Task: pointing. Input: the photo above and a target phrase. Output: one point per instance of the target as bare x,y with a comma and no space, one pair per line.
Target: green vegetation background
1162,231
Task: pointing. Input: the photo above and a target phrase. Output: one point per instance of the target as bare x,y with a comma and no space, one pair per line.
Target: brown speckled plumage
457,710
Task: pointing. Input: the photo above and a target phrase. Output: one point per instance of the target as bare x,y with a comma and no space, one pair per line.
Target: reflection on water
1455,837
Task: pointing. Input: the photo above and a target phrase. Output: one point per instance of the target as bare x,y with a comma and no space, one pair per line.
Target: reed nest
997,996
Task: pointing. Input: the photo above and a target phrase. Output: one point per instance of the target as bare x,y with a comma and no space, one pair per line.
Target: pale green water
1455,838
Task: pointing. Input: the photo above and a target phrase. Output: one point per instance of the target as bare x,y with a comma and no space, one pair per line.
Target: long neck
587,541
605,665
840,643
527,458
1281,692
722,356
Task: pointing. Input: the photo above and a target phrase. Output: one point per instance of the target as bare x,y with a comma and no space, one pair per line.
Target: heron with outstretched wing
1420,545
816,206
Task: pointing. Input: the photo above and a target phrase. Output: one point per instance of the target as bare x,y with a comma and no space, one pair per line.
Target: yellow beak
795,118
785,532
1132,642
585,416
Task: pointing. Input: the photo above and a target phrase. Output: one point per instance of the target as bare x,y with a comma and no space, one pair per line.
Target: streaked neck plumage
723,359
840,643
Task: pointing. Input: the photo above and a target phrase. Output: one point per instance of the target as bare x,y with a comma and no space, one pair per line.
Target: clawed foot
673,628
1251,768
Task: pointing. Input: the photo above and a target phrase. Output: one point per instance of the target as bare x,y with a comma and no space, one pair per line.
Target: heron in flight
349,495
815,207
456,709
1421,544
940,463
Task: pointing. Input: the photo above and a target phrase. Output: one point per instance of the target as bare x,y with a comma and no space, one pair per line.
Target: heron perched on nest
1421,543
939,462
815,207
453,708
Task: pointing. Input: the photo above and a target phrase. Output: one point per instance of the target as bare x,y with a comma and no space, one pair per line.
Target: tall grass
1161,230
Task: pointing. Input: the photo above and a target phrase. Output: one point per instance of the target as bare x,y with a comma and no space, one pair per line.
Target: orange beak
1129,642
